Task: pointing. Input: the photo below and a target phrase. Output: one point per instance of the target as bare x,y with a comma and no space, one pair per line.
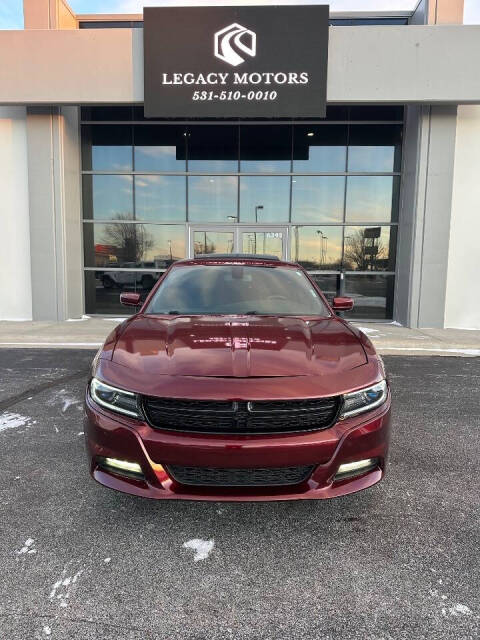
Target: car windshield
237,289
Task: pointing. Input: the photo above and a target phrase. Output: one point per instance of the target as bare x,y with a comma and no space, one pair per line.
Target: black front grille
258,417
254,477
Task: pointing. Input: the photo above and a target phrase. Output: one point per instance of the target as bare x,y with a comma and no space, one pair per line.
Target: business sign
248,61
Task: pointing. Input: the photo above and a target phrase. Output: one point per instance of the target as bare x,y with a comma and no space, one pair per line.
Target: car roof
236,258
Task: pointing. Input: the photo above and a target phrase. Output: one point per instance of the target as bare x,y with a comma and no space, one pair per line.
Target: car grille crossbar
243,417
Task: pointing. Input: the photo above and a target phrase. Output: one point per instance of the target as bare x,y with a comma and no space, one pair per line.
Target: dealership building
130,141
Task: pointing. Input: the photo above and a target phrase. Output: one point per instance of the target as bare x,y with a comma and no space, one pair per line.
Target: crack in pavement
74,619
33,391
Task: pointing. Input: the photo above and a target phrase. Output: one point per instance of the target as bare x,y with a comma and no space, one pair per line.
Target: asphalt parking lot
397,561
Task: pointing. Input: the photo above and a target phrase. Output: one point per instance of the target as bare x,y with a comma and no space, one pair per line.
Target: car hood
240,347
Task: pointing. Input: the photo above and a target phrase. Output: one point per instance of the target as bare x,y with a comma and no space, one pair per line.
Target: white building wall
462,305
15,275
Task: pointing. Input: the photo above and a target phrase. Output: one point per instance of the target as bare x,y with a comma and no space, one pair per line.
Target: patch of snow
371,332
65,398
13,421
466,352
47,630
81,433
202,548
115,319
107,560
51,344
368,330
61,588
27,547
460,609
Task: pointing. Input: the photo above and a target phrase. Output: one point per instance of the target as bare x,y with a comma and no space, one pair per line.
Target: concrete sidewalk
89,333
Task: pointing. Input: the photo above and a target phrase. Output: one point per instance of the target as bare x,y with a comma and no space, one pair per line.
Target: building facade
379,198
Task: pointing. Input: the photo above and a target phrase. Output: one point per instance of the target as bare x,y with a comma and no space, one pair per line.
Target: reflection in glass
372,295
213,148
319,148
372,199
128,245
376,112
370,248
318,198
263,242
327,284
160,198
103,288
265,148
107,197
374,147
264,199
212,242
106,113
212,198
160,148
107,148
317,247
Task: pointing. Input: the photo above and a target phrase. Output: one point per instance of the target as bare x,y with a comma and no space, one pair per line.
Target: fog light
123,466
355,468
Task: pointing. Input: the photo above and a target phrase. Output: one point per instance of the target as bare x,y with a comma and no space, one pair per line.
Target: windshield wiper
251,313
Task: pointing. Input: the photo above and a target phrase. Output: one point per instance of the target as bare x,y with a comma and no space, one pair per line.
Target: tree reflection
131,241
364,250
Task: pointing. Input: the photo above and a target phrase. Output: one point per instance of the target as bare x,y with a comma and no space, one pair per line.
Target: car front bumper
110,435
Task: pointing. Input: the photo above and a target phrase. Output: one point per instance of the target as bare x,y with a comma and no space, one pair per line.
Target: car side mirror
130,299
342,304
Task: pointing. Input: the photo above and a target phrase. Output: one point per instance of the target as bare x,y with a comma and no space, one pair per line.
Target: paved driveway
400,560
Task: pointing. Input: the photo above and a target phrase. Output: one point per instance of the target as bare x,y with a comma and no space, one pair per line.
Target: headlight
364,400
115,399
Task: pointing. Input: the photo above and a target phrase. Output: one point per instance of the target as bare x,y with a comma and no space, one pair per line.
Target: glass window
370,248
317,247
108,197
131,245
160,198
212,198
237,289
106,113
265,148
160,148
372,199
262,242
318,198
212,242
377,112
374,148
107,148
103,288
372,295
318,149
264,199
327,284
213,148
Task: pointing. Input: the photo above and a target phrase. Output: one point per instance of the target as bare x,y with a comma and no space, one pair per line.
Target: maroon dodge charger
236,380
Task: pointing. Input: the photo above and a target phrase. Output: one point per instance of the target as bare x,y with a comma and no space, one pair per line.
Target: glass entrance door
256,240
263,240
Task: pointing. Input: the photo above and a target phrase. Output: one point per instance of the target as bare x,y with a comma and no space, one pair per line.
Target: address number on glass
234,95
274,234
